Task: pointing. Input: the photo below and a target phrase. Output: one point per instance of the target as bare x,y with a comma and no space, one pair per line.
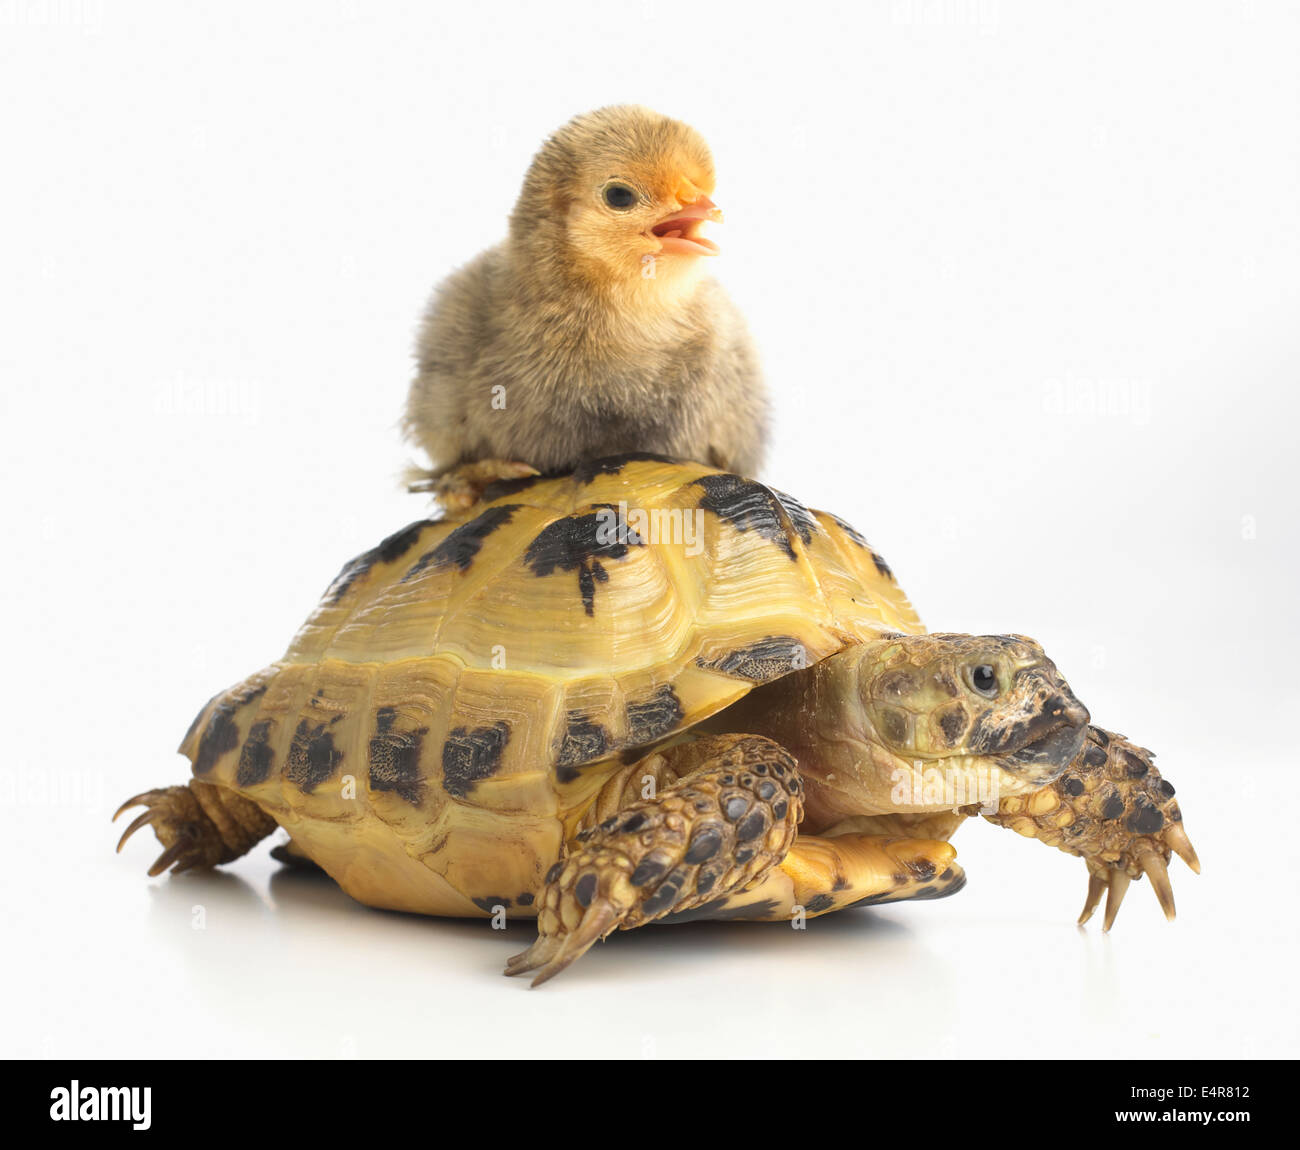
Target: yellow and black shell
451,708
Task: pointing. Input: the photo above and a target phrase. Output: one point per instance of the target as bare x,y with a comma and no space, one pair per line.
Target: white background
1024,279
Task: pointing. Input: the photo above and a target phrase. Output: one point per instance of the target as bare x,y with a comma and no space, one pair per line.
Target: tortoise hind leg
731,816
199,825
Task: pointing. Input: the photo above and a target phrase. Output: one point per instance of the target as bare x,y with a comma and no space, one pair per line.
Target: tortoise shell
465,688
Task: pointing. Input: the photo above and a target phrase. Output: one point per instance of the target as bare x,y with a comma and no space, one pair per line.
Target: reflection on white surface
111,964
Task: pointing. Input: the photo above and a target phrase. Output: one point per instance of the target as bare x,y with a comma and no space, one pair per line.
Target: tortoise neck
817,715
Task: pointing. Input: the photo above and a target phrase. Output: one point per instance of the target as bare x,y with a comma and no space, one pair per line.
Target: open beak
680,232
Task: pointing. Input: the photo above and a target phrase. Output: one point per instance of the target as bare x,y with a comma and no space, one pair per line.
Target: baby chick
592,329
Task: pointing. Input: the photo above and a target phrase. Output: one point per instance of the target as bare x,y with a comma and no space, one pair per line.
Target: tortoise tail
199,825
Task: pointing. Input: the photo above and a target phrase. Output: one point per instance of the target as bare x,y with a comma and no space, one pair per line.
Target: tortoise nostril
1073,711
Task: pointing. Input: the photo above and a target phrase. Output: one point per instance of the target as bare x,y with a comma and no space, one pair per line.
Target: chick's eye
984,680
619,196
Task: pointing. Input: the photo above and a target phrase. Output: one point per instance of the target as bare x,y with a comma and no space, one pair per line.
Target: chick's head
623,193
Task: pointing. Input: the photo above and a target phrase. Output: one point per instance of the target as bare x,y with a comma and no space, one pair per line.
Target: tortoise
649,691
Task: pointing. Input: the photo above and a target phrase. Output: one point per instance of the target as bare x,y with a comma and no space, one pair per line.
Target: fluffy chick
592,329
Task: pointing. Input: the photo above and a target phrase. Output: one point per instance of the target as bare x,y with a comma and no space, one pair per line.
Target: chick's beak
680,232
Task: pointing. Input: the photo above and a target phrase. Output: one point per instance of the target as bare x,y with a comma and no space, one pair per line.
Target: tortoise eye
619,197
985,680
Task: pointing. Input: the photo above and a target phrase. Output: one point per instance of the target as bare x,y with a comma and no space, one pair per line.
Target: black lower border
238,1100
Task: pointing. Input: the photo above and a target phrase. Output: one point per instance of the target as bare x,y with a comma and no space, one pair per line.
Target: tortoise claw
1096,887
138,822
1148,857
551,954
134,801
1178,842
1114,883
1155,869
462,486
1115,892
169,856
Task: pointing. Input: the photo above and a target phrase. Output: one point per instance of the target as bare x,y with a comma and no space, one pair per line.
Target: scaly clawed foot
1149,857
1113,809
717,830
199,825
459,488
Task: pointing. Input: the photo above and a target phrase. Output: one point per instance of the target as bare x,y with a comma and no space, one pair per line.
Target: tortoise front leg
1112,809
729,818
718,842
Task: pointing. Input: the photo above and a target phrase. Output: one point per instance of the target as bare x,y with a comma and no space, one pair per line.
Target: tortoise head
972,702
